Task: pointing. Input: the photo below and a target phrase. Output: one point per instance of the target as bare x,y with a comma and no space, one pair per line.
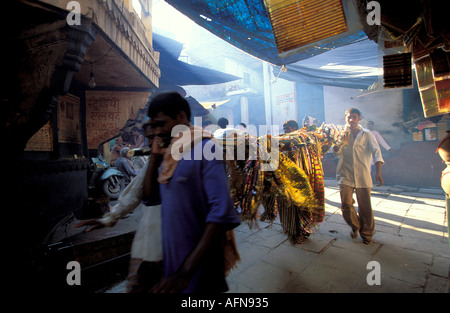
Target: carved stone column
41,54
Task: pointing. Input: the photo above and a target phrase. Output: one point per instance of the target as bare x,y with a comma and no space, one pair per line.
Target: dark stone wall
52,190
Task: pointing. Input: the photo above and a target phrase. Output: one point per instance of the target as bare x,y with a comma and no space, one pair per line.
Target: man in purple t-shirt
196,206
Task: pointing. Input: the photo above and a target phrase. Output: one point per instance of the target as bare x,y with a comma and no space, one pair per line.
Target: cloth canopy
246,25
351,66
177,73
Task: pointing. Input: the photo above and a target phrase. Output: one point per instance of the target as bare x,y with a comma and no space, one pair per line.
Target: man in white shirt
378,137
381,142
353,175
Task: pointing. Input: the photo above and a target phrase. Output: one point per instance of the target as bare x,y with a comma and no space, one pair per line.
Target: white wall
384,107
284,104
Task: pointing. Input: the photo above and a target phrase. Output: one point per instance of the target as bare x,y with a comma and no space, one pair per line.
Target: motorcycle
107,179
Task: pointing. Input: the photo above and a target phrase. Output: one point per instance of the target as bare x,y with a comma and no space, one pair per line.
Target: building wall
293,101
120,23
385,108
51,191
310,101
48,180
411,163
283,103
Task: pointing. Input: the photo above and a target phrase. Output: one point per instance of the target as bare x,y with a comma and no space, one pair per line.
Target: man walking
196,206
353,175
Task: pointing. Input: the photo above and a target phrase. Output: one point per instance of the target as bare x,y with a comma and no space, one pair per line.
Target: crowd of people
185,240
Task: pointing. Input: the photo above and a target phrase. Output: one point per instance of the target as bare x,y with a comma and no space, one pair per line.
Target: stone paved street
410,245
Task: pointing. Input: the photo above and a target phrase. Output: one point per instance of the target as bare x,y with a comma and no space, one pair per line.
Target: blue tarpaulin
246,25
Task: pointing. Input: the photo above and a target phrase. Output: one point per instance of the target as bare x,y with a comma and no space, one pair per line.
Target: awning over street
179,73
351,66
263,33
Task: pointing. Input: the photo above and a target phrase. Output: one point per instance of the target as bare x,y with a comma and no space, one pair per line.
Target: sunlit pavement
410,248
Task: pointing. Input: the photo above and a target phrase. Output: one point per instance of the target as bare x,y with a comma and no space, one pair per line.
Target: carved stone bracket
47,55
78,38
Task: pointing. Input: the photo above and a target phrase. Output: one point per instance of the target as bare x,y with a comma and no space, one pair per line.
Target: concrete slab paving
263,277
267,237
350,246
410,245
388,285
342,259
250,254
318,278
435,284
440,266
318,243
404,264
435,247
293,258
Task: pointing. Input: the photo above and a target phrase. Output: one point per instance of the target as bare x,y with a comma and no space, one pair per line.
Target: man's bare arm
378,177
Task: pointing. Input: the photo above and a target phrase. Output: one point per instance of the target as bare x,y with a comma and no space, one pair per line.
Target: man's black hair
291,123
222,122
169,103
353,110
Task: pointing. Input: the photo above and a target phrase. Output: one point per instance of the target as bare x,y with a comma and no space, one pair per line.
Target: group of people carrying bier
183,241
